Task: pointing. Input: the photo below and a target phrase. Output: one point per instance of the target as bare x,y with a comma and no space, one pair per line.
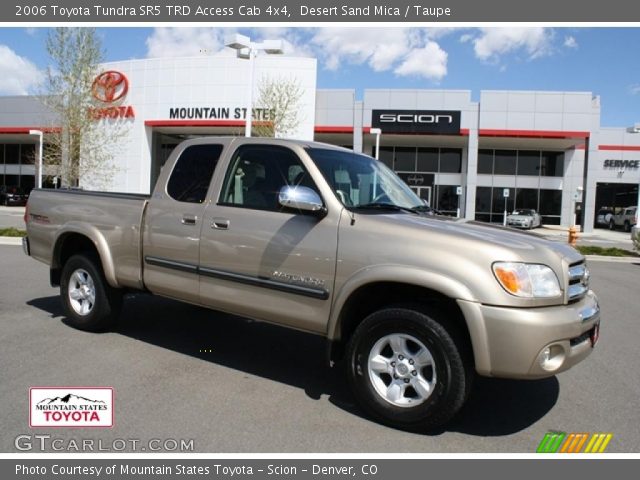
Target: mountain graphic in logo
68,399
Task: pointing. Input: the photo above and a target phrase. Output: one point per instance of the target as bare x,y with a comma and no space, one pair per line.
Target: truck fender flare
397,274
98,240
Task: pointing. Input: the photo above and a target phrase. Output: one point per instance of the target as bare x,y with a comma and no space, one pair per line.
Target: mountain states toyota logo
110,86
70,407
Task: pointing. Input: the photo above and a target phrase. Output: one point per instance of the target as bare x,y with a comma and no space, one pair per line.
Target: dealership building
476,156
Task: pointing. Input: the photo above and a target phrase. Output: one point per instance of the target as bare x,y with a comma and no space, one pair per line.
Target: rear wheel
627,226
90,302
407,370
612,225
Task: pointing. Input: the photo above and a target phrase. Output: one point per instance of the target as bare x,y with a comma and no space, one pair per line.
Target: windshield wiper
385,206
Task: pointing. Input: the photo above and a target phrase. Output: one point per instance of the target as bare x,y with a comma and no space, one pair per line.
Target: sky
601,60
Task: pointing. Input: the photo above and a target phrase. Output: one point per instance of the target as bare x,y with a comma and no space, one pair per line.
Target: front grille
578,281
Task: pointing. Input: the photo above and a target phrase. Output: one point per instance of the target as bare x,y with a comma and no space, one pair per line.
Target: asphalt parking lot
261,388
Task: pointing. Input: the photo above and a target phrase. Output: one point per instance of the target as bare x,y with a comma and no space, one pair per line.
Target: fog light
551,357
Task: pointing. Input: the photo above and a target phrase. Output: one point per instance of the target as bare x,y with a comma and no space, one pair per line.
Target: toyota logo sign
110,86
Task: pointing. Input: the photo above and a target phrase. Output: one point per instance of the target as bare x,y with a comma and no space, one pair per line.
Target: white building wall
158,85
531,110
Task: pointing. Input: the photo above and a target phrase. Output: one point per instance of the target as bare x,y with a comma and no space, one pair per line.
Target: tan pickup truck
317,238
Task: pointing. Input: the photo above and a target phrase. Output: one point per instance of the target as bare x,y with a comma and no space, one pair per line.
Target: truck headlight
527,279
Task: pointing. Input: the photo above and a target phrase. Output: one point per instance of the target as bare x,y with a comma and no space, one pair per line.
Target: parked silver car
625,219
524,218
604,216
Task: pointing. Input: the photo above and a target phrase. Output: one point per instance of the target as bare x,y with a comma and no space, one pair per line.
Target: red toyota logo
110,86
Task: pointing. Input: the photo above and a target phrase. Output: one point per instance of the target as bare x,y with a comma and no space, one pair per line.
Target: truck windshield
361,182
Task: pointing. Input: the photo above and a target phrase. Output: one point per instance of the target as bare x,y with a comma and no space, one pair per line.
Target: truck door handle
189,219
220,223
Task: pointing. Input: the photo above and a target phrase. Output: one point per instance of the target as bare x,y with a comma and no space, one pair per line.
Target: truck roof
264,140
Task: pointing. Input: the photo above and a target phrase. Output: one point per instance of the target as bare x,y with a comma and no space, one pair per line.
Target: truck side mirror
301,198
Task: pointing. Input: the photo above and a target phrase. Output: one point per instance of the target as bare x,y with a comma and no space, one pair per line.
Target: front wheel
407,370
90,302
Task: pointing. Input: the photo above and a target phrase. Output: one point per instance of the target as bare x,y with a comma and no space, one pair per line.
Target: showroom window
12,157
504,162
485,162
446,199
531,163
490,203
427,160
12,154
552,164
405,159
386,156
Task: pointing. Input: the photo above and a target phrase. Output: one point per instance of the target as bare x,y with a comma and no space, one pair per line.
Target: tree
81,146
281,98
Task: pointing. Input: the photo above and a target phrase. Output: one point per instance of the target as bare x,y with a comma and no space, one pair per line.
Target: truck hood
526,246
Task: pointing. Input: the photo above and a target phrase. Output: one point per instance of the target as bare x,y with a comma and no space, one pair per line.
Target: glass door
424,193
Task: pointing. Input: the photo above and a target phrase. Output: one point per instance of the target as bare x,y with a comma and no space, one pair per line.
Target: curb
604,258
10,240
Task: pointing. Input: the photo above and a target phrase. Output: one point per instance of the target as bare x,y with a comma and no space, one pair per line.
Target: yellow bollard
573,236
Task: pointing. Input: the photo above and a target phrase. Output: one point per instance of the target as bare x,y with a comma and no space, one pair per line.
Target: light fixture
247,49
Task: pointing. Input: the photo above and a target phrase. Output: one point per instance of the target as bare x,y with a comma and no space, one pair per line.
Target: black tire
627,226
451,364
102,313
612,225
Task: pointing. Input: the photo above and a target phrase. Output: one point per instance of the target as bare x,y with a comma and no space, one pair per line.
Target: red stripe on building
463,132
487,132
25,130
333,129
199,123
620,148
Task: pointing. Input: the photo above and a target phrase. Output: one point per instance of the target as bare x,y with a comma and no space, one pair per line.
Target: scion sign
417,121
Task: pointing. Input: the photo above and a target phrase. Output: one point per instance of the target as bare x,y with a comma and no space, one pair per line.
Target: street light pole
247,49
249,113
377,132
40,138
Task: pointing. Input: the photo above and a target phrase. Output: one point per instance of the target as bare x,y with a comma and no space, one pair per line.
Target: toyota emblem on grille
110,86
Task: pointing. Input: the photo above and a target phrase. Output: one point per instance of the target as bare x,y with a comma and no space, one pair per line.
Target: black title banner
315,11
310,469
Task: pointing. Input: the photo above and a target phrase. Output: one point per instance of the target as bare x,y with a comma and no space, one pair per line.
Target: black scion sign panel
417,121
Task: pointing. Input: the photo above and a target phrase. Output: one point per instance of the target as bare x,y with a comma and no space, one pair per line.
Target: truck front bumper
531,343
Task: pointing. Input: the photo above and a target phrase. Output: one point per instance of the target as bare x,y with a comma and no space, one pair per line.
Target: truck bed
112,220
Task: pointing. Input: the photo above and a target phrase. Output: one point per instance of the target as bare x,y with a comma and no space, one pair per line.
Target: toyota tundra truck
320,239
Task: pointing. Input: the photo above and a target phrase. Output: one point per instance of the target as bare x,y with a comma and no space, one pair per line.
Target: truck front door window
258,172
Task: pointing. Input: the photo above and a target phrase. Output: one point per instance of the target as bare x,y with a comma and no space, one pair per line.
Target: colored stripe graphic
551,442
561,442
574,442
598,443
